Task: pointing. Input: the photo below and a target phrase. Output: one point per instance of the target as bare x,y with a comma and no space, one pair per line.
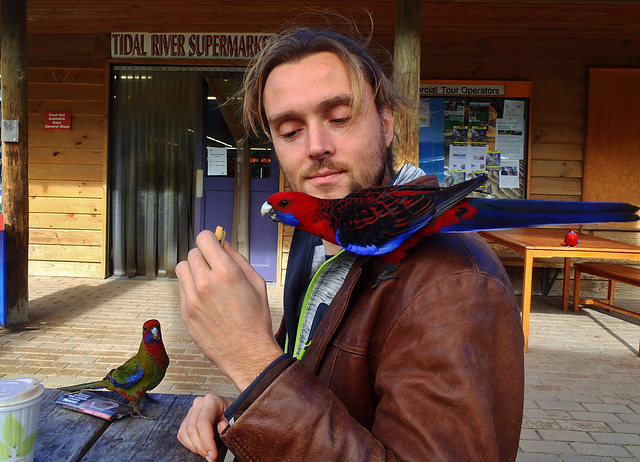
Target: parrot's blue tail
521,213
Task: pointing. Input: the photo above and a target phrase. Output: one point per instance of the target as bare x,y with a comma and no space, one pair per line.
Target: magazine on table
94,404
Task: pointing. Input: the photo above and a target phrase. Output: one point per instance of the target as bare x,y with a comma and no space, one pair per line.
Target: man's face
324,149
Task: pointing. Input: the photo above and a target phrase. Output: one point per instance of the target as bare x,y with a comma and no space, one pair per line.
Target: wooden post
15,185
242,196
407,78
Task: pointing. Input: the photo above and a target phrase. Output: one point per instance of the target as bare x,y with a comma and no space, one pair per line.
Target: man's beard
375,177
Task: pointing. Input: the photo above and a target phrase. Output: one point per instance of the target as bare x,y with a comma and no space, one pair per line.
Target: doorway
233,165
180,163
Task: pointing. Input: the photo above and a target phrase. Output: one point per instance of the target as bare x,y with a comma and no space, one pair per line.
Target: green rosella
141,373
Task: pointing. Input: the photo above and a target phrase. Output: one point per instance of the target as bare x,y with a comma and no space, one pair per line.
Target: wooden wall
552,44
67,169
558,69
556,57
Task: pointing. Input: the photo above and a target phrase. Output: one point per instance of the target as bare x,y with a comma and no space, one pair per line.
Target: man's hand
224,306
197,429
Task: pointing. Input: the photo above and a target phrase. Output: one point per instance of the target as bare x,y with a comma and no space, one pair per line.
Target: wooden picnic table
549,243
66,435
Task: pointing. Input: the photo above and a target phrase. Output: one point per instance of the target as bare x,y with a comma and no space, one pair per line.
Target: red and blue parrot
389,220
141,373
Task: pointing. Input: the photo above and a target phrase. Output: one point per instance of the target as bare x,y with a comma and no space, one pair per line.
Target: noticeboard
469,128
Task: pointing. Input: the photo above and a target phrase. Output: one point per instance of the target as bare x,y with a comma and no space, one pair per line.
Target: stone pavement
582,373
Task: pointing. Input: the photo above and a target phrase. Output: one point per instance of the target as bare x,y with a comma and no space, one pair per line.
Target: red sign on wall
57,120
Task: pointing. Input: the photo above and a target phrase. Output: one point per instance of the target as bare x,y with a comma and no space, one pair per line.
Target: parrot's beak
268,209
156,333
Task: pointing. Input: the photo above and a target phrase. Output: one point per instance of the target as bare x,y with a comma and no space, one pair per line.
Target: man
425,367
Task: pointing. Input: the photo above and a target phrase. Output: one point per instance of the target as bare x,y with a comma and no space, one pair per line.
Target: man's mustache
323,164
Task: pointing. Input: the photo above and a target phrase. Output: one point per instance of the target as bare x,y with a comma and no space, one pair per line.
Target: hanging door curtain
154,121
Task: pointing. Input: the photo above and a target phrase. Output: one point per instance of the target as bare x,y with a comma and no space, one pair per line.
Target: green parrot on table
141,373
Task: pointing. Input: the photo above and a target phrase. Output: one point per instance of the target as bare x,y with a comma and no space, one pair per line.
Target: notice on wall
513,109
57,120
509,173
493,160
454,111
479,113
458,163
216,161
477,162
510,137
467,162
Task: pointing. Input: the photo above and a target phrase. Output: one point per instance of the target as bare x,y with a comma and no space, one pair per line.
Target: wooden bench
614,273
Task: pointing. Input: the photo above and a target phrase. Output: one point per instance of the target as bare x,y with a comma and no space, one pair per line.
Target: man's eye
341,120
288,135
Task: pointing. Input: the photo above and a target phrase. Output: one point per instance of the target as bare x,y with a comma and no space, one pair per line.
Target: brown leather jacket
428,367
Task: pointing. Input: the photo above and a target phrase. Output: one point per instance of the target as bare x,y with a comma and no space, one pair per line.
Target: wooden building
582,59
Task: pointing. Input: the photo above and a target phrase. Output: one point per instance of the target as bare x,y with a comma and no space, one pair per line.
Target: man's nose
320,141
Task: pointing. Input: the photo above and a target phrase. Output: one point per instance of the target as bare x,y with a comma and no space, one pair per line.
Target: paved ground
582,372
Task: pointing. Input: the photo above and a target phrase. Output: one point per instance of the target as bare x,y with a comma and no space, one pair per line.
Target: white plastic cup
19,411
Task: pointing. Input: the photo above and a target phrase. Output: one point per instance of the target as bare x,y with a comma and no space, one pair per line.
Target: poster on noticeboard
473,128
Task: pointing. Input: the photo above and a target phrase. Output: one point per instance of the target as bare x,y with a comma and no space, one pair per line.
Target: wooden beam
407,78
15,185
241,198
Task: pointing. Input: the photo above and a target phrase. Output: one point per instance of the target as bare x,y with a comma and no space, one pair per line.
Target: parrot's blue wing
122,379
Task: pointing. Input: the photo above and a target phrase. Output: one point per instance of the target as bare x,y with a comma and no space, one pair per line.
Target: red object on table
571,239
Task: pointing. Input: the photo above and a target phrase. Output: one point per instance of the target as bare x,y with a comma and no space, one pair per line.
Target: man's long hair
298,42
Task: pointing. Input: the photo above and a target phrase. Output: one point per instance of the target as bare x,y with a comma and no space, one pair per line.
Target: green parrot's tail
85,386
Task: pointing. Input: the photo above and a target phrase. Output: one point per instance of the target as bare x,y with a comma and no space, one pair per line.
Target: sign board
471,128
461,90
216,161
144,45
57,120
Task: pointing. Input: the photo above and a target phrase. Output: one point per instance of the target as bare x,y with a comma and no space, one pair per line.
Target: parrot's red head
300,210
151,332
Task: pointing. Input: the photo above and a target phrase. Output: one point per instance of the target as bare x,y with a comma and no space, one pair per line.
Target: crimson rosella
389,220
142,373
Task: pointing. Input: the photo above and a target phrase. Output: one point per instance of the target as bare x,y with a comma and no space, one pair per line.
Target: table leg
527,282
566,282
610,291
576,289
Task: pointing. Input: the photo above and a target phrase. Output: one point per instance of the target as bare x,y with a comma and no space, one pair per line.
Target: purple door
263,233
219,170
218,210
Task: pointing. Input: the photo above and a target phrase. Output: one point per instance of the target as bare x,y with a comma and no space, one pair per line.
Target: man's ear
386,117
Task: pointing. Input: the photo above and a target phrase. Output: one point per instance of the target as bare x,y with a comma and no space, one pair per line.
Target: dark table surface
66,435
